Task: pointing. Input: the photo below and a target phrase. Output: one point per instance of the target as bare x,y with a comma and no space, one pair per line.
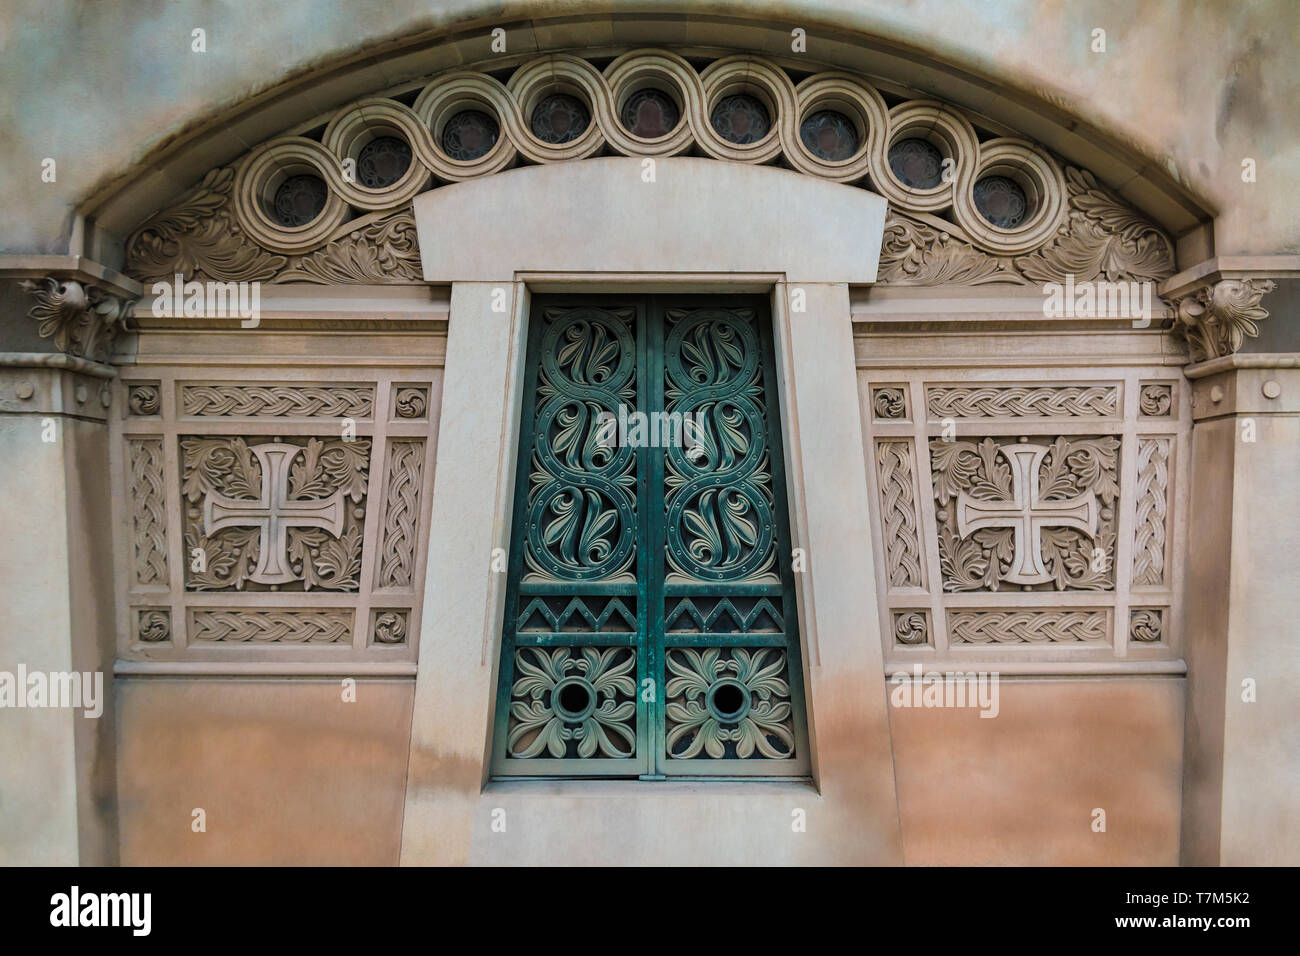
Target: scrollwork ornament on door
582,488
719,501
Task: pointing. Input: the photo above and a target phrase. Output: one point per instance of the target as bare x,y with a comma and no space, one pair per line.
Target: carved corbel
1215,319
81,318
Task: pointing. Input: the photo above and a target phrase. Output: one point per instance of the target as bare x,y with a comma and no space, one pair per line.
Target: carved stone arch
220,229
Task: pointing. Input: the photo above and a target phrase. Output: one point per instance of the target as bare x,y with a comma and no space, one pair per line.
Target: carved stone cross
274,513
1026,514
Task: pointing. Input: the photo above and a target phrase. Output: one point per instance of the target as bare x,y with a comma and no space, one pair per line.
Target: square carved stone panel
1027,520
274,520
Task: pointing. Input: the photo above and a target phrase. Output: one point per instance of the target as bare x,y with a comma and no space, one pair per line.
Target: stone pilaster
59,804
1242,599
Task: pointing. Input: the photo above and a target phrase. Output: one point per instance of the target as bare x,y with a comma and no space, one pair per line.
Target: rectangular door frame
651,639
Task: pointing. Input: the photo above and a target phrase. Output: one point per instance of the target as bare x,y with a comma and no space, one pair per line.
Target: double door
650,623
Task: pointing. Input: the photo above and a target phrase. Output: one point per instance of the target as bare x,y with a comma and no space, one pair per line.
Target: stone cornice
79,268
1229,363
1218,268
56,360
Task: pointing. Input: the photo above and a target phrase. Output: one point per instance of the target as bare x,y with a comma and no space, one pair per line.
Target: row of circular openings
1004,196
728,700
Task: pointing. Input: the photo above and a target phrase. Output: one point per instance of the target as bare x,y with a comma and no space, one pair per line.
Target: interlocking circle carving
696,95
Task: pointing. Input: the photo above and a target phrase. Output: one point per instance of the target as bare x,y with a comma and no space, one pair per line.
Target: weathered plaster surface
1196,85
975,792
295,776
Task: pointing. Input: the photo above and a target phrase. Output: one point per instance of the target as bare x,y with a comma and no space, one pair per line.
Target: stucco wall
286,772
1196,85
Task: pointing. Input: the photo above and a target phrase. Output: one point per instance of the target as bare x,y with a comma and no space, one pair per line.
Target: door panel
650,620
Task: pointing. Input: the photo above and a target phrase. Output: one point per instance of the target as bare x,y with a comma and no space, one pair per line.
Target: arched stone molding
222,230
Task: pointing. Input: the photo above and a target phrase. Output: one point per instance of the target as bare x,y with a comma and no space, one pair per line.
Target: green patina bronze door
650,625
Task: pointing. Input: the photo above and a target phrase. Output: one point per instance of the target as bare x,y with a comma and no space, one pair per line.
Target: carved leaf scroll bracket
1216,319
82,318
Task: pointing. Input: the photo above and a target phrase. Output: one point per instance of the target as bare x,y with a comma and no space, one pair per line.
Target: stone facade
271,401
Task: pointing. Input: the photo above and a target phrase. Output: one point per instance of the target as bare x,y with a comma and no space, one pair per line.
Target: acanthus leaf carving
1102,239
274,514
913,252
83,319
381,248
199,236
1216,319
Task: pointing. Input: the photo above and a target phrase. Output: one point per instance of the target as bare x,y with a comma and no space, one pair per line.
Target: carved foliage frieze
1101,239
221,229
201,238
920,252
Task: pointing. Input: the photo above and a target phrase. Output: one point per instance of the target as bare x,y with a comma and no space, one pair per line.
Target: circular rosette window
717,480
581,505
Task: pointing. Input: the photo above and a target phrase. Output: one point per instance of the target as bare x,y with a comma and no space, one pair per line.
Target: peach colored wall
291,775
287,771
1020,788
